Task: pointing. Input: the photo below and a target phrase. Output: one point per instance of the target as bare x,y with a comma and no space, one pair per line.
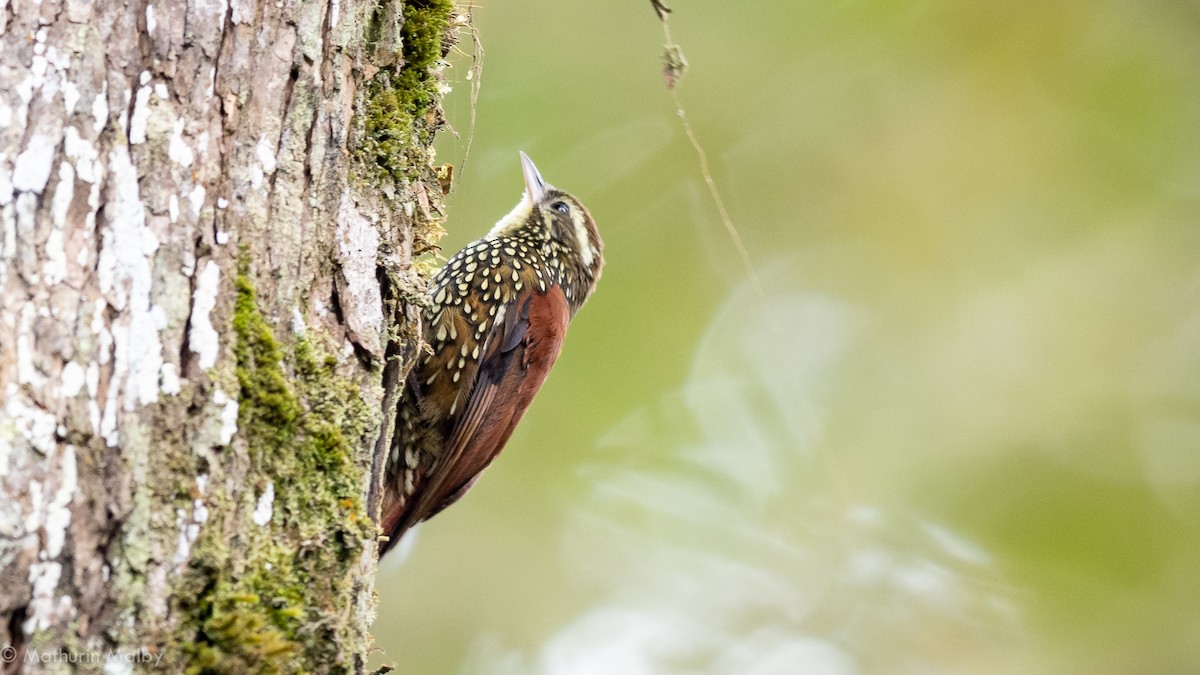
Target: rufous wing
515,359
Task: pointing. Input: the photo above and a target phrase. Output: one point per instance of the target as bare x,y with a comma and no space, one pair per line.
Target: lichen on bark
272,605
192,404
268,600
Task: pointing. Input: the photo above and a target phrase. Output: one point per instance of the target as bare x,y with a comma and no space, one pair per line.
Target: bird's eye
561,207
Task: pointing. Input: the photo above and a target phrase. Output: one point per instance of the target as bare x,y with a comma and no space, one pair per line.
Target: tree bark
208,214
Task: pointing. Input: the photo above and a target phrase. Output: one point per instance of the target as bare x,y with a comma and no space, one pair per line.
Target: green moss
423,34
394,129
274,605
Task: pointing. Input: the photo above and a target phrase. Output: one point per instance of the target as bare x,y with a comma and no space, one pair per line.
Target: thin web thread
674,65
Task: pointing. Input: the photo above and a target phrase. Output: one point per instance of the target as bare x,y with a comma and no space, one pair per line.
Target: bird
494,325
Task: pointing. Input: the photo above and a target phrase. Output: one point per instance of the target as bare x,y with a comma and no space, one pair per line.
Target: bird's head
564,227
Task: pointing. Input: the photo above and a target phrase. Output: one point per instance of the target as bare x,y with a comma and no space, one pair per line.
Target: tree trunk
208,213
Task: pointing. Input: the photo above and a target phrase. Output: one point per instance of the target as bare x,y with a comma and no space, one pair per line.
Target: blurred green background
958,431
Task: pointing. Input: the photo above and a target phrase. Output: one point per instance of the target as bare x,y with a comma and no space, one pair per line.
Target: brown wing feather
517,356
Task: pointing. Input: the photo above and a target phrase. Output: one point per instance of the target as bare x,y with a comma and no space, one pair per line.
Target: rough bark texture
208,212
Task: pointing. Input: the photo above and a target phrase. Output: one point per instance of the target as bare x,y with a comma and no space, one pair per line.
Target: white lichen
265,151
37,68
178,149
72,380
266,503
141,115
229,415
84,155
199,512
35,426
124,275
183,546
54,269
298,326
256,176
196,198
100,109
169,376
70,97
55,514
203,339
32,169
43,577
24,90
266,154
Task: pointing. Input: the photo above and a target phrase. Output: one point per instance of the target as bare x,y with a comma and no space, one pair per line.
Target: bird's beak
534,185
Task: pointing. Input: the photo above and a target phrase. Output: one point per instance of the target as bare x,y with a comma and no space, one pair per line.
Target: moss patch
271,602
394,129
